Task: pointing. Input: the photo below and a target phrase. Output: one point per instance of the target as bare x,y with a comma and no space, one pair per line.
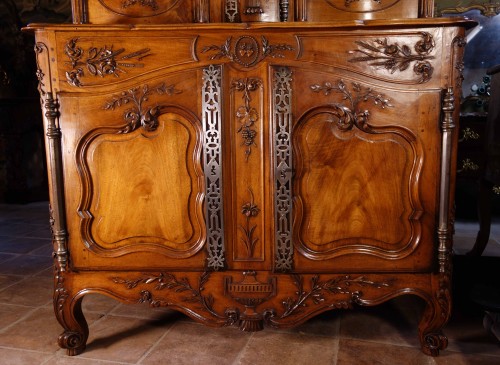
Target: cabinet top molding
349,24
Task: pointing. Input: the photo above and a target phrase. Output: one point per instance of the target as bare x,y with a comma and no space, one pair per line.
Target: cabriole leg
68,310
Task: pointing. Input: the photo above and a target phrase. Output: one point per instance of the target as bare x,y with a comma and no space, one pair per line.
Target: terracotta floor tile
144,311
98,303
454,358
22,245
38,331
122,338
8,280
354,352
31,292
61,359
6,256
467,335
192,344
270,348
326,324
386,323
19,357
12,313
25,265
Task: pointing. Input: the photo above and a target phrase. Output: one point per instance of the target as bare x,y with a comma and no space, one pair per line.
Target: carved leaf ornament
395,57
139,115
348,117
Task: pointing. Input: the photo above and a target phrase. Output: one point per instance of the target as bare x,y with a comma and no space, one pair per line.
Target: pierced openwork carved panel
282,157
394,57
247,51
212,155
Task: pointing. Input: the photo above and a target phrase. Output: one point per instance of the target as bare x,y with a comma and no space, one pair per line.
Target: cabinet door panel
158,202
347,190
360,175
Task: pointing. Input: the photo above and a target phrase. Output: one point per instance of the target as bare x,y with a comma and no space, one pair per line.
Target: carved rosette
140,115
212,156
282,150
349,116
247,115
101,62
247,51
395,57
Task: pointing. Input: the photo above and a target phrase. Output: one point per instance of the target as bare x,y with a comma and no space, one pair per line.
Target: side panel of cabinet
134,174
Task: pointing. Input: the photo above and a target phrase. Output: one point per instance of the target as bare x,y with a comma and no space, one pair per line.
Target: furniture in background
476,151
254,173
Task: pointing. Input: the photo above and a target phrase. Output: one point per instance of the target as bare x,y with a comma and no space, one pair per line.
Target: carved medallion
395,57
101,62
140,115
348,117
247,51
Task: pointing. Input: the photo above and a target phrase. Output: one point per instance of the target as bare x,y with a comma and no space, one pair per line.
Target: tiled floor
127,334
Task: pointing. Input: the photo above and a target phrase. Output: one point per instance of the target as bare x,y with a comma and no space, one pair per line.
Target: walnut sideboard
252,174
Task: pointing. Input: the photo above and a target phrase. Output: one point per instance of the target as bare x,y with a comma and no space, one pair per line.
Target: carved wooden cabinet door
132,153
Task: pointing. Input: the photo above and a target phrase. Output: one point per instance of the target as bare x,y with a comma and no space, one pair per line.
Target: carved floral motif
101,62
144,3
140,115
348,117
247,115
339,285
247,51
249,210
395,57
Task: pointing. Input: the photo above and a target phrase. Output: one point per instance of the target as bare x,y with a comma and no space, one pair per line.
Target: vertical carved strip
300,10
444,234
53,133
426,8
284,10
212,156
282,126
202,11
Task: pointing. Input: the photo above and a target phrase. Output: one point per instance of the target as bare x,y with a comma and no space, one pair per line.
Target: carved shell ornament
398,57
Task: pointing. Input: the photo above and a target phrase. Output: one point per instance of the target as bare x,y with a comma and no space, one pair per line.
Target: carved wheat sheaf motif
144,3
103,61
140,115
395,57
351,116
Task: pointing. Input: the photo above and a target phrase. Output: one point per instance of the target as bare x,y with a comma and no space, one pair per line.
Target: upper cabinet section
242,11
